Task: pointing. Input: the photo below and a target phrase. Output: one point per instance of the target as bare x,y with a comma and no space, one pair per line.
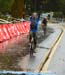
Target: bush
58,14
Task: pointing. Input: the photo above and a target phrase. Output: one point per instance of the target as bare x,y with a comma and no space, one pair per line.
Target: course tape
10,30
23,73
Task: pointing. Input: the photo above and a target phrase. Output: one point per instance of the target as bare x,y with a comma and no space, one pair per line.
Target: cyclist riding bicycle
34,28
44,25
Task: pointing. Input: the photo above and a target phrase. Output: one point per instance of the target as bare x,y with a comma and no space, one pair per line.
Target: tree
17,9
54,5
5,5
63,7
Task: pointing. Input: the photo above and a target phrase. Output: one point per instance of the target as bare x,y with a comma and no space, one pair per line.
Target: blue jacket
36,25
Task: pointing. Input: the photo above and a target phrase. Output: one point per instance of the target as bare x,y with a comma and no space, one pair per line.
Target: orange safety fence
10,30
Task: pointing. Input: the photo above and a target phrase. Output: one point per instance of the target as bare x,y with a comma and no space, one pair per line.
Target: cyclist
44,25
33,28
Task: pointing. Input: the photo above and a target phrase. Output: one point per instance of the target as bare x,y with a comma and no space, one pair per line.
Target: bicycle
31,45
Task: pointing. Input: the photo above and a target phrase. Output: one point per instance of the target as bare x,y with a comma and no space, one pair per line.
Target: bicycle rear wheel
32,48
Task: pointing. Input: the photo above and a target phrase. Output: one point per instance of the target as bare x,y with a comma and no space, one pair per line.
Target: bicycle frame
31,46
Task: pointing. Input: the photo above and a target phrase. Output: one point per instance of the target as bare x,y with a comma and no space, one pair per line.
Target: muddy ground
12,50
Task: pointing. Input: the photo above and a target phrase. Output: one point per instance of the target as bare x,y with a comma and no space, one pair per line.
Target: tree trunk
18,8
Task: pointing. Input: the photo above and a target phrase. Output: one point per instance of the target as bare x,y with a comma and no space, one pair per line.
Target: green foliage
54,5
48,5
17,7
5,5
58,14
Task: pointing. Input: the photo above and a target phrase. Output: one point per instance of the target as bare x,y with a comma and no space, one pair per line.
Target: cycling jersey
35,28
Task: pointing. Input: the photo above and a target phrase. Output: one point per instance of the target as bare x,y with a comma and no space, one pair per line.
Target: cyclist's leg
43,27
45,30
30,37
30,44
35,39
